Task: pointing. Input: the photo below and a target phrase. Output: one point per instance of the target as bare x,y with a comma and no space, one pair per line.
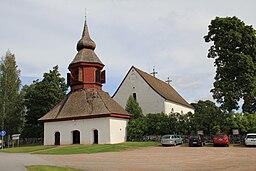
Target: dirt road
162,158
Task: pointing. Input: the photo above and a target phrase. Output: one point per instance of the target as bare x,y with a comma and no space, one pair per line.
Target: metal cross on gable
154,72
168,81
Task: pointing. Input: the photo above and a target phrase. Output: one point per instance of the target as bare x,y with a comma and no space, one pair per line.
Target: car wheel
227,145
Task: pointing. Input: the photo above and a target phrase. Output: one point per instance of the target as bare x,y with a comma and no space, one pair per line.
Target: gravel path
177,158
162,158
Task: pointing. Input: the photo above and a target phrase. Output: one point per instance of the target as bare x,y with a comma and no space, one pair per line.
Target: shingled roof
85,47
84,104
163,89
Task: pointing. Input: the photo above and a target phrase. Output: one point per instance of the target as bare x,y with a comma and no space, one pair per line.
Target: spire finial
85,41
85,16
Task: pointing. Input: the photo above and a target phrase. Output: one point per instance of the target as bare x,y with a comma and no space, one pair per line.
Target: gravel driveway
150,159
162,158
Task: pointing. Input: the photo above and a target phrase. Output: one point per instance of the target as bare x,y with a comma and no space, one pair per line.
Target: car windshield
251,136
221,135
166,137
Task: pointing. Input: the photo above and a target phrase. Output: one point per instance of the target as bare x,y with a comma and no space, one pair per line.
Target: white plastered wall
84,126
148,99
118,129
171,107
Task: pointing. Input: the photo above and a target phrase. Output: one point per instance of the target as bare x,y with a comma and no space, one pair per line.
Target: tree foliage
40,98
207,117
234,51
11,98
133,107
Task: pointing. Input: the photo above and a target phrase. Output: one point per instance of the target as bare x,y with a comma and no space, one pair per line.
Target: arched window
134,96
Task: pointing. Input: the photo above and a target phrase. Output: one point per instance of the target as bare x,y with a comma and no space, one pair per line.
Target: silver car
171,139
250,139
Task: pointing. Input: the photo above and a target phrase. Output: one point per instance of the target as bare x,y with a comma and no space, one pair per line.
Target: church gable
153,95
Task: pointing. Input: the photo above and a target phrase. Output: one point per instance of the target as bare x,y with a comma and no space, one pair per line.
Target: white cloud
165,34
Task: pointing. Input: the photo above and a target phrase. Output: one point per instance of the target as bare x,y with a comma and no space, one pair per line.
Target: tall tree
11,98
40,98
133,107
207,117
234,51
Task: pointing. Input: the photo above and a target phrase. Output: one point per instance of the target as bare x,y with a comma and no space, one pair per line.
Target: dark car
221,139
196,140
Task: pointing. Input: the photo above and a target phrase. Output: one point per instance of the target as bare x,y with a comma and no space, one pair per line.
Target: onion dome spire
85,41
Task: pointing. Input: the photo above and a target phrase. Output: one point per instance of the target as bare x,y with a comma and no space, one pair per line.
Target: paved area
17,162
177,158
163,158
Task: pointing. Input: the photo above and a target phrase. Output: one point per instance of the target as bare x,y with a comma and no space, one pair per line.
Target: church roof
85,47
163,89
84,104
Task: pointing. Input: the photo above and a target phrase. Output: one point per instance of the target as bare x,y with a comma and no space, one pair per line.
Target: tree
234,51
207,117
40,98
133,107
11,98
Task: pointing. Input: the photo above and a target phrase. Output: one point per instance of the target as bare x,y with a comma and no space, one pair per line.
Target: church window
134,96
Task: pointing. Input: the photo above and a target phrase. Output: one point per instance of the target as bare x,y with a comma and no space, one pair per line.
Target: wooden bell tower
86,68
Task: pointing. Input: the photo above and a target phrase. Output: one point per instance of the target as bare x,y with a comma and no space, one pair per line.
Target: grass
27,149
49,168
97,148
81,149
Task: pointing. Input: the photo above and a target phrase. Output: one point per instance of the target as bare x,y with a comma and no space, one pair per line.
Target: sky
163,34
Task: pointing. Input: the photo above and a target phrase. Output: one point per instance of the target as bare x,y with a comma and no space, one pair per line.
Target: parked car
196,140
221,139
250,139
171,139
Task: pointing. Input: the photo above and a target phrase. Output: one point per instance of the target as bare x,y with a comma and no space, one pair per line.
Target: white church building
152,94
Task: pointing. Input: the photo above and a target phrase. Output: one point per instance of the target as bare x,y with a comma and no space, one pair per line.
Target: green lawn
50,168
80,149
27,149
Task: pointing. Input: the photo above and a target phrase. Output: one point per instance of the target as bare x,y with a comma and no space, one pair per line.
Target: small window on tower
98,75
134,96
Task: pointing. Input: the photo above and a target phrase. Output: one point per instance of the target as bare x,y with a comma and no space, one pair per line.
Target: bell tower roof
85,41
85,47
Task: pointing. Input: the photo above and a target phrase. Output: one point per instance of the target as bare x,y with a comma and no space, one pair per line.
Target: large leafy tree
40,98
207,117
234,51
11,98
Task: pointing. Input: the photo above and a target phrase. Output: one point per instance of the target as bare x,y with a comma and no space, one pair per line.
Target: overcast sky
167,34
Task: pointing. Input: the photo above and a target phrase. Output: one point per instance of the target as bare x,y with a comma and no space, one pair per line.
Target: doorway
76,137
95,136
57,138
